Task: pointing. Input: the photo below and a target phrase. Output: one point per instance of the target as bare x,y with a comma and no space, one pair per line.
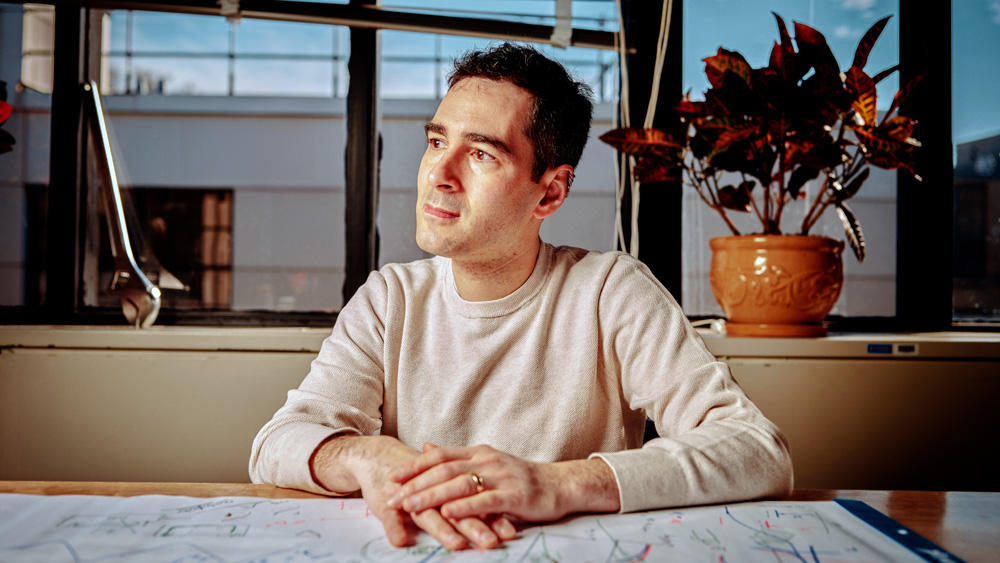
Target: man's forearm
338,461
586,485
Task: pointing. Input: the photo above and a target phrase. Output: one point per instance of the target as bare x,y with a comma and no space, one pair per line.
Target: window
229,140
251,117
976,138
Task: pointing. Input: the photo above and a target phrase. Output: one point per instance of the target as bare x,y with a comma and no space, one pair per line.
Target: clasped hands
469,494
435,489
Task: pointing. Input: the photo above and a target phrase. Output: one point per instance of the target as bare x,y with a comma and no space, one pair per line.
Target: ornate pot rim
795,242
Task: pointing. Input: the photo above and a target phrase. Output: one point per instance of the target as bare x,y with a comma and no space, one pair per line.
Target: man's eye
435,143
482,156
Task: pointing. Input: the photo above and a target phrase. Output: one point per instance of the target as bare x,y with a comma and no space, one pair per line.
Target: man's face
475,197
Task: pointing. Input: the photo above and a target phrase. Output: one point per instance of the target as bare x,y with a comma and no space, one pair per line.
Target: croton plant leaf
736,198
799,177
637,141
655,168
882,75
854,185
852,230
863,88
726,61
867,42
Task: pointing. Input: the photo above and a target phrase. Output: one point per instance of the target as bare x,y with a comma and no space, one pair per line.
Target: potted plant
751,146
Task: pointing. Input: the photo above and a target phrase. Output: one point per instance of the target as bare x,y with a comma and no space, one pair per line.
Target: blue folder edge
924,548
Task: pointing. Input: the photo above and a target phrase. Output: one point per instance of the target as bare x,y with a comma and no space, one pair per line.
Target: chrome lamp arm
140,298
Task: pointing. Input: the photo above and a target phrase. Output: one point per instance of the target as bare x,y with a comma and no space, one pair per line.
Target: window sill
927,345
894,346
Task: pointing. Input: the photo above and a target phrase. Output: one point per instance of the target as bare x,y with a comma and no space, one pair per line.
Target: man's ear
557,182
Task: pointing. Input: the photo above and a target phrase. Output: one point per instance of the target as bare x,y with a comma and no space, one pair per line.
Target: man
506,379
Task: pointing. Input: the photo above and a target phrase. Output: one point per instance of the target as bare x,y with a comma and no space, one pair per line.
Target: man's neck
493,279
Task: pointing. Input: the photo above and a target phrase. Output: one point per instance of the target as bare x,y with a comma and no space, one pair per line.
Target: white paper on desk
55,529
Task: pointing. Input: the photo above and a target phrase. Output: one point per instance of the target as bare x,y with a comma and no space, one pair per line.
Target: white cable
622,176
661,55
618,236
621,168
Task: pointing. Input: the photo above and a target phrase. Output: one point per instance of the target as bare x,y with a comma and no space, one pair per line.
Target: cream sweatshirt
568,366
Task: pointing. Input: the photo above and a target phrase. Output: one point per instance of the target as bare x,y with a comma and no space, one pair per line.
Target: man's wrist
328,465
587,486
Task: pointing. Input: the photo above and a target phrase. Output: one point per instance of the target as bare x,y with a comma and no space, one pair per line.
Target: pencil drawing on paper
91,529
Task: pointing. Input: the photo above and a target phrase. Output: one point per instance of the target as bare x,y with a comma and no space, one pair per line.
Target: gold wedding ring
478,482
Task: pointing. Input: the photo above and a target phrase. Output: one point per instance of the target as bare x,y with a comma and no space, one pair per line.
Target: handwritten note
253,530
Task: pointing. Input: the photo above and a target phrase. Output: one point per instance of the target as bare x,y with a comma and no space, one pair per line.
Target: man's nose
444,172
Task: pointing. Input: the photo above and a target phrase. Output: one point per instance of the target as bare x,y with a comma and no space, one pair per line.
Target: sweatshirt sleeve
342,394
715,445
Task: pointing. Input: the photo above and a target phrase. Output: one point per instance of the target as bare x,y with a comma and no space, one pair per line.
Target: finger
476,531
429,446
502,527
438,475
428,459
422,462
395,528
489,502
434,495
440,529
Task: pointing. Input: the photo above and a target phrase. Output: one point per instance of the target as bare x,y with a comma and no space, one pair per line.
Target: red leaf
900,129
876,142
863,88
717,65
902,94
655,168
854,185
867,42
814,49
882,75
737,199
689,108
632,140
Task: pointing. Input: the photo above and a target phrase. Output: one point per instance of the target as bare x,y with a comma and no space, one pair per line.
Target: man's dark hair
563,107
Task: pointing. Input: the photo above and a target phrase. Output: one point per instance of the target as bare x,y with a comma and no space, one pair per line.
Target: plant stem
817,207
707,180
753,202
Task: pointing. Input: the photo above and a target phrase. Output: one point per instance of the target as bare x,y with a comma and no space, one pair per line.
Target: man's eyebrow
432,127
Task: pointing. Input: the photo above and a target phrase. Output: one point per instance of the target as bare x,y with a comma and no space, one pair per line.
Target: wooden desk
966,524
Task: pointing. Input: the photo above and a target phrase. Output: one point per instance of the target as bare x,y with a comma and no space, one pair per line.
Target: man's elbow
783,476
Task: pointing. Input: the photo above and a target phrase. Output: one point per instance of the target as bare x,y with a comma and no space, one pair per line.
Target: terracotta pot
776,285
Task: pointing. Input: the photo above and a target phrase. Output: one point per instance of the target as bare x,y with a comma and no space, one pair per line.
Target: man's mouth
439,212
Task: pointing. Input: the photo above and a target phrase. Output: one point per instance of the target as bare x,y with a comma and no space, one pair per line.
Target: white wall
183,404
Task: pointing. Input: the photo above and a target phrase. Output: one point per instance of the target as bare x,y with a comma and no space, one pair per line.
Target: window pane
284,78
255,37
976,136
410,100
750,29
162,33
238,189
